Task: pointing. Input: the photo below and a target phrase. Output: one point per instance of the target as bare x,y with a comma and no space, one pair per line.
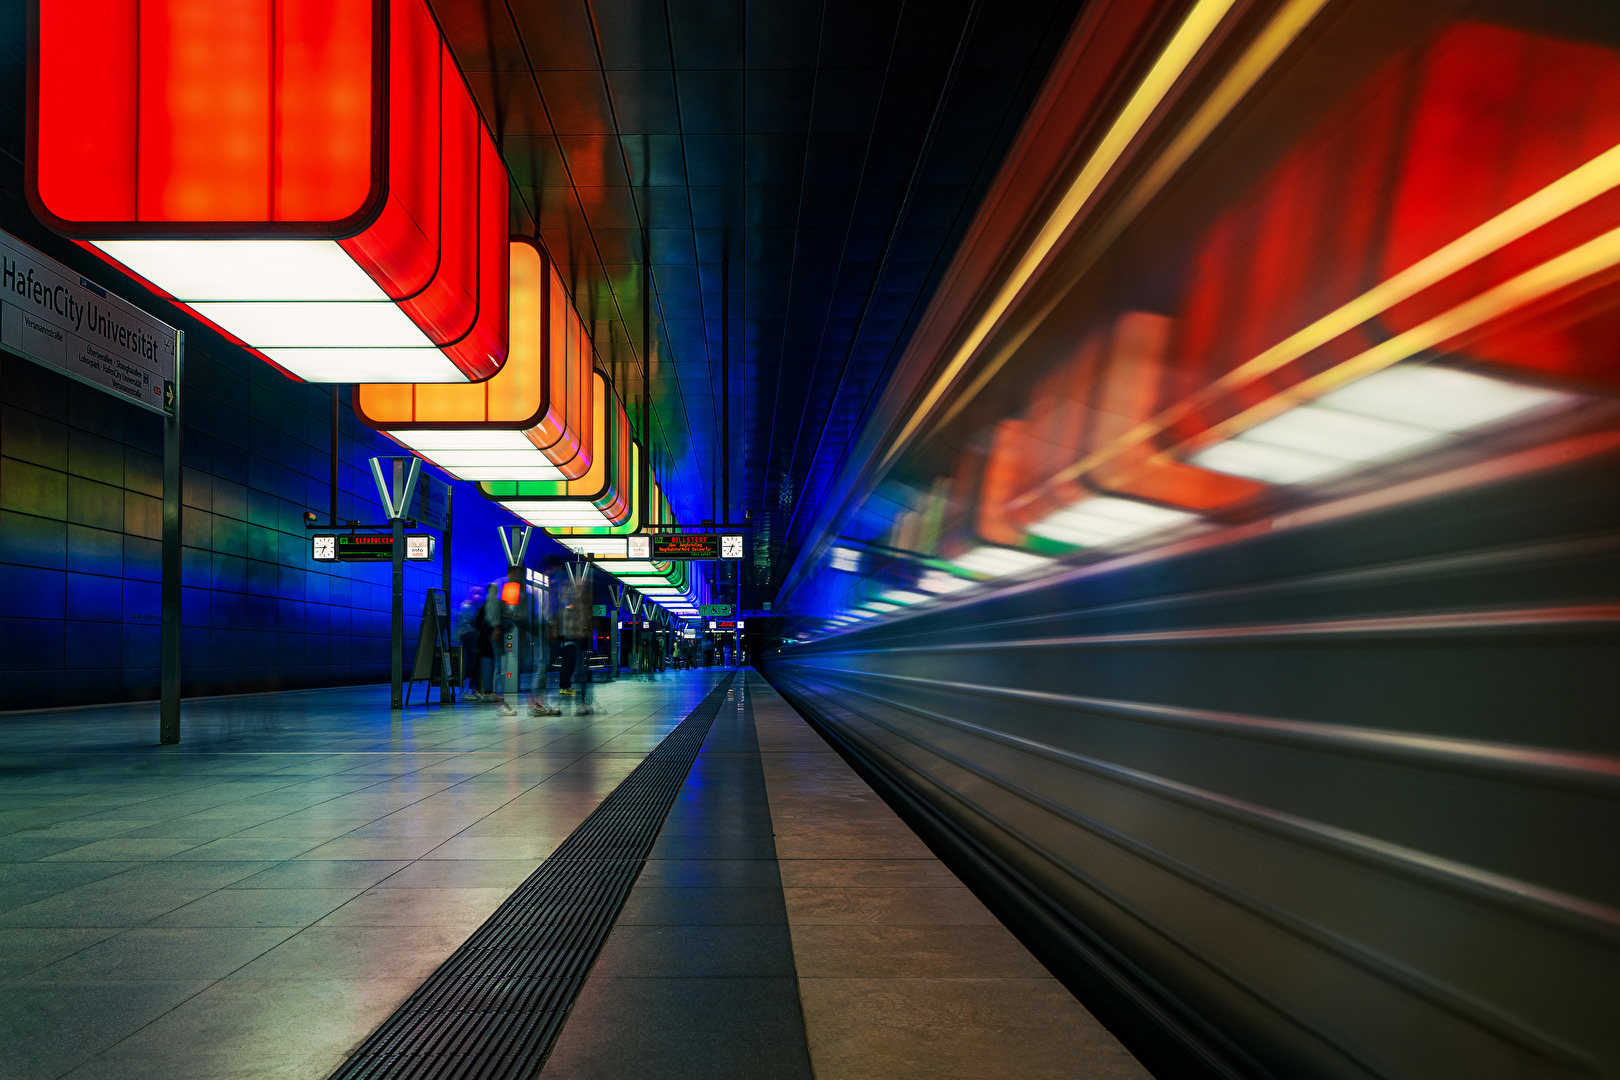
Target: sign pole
399,600
449,518
169,677
397,502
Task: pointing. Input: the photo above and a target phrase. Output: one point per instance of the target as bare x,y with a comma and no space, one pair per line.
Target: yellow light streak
1254,63
1189,38
1575,265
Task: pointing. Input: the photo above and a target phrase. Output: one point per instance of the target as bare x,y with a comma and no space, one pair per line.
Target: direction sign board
667,546
54,317
431,503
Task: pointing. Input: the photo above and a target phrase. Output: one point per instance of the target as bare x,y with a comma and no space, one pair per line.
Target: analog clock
325,547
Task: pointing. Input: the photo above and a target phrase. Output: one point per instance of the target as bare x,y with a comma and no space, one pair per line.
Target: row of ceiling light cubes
312,178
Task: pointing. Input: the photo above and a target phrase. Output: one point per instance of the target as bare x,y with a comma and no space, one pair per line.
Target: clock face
325,547
731,547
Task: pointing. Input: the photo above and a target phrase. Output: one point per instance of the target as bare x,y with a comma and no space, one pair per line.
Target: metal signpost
52,316
396,499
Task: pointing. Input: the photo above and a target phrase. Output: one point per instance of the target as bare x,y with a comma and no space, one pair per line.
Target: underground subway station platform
721,539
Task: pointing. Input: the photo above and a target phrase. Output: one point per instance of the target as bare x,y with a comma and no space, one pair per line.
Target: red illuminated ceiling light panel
309,176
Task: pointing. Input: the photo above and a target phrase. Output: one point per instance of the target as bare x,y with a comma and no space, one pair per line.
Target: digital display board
667,546
369,547
365,547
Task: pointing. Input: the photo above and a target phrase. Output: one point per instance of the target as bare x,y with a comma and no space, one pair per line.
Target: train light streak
1104,520
1397,411
941,583
992,561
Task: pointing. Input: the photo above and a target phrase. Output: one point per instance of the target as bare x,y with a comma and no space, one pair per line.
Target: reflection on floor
254,901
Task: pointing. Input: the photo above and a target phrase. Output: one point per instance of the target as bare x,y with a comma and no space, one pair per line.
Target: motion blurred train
1226,583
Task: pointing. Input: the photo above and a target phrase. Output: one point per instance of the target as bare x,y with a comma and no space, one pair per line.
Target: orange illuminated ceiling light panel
531,420
601,499
309,176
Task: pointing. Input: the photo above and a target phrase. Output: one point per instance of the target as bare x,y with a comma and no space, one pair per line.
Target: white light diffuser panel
609,548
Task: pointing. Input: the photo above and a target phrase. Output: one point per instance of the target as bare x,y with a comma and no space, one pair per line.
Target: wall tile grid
80,512
80,531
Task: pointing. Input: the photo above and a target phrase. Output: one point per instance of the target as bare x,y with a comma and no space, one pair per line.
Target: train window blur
1390,260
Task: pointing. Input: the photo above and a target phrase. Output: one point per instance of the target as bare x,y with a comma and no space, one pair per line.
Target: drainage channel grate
492,1010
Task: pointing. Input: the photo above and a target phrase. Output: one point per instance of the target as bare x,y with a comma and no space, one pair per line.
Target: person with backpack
501,619
573,629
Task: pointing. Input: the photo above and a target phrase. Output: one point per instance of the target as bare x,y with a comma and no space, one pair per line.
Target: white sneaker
544,710
506,710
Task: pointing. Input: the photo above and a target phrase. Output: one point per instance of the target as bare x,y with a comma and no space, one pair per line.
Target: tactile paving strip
492,1010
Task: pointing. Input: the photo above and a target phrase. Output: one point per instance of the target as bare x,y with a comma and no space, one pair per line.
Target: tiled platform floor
254,901
790,925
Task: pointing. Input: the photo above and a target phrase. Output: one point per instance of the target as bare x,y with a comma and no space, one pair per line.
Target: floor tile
126,849
237,849
702,1029
534,848
321,874
944,1029
418,907
461,874
258,907
88,906
26,950
898,907
239,1028
357,952
696,952
911,952
163,954
47,1028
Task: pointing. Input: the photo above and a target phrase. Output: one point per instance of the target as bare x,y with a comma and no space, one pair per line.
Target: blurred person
484,645
546,634
467,629
573,634
501,619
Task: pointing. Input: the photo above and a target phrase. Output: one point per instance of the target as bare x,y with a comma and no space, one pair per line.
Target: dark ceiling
822,158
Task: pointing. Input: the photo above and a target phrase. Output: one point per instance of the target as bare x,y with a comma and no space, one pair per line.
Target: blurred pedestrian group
495,623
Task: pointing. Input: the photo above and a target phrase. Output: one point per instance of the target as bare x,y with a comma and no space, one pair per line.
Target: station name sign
52,316
369,547
670,546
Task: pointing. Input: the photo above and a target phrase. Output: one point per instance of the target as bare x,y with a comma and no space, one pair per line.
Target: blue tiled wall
80,490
